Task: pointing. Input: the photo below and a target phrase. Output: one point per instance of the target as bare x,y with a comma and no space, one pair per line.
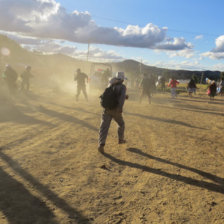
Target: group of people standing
215,88
148,86
10,77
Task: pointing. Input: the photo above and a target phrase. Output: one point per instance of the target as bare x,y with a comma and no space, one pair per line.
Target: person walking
212,90
25,77
191,87
146,86
81,79
173,84
10,76
116,90
162,82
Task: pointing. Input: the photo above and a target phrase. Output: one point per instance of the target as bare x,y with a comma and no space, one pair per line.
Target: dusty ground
170,171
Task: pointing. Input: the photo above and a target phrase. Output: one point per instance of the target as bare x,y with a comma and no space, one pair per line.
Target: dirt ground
170,171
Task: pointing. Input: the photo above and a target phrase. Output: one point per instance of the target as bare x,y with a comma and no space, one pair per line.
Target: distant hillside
64,66
133,68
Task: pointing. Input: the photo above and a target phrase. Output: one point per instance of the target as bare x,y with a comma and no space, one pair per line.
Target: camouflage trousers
83,89
106,119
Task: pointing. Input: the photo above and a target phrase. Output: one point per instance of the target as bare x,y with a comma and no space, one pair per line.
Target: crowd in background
146,84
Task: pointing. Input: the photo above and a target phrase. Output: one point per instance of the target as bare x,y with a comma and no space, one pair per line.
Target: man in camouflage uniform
81,79
116,114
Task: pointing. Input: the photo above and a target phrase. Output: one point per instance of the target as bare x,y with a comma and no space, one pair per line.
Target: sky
186,34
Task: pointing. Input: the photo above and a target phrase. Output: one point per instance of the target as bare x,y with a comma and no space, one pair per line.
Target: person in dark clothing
81,79
116,113
212,90
25,76
191,87
163,83
146,86
10,77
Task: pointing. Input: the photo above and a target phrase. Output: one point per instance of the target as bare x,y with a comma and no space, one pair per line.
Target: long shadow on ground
202,173
200,99
73,214
199,110
66,117
14,113
73,108
187,180
19,206
163,120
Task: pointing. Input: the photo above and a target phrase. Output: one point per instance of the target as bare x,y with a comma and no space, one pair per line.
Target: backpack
109,98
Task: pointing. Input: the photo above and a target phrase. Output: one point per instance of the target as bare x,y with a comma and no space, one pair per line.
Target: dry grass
170,171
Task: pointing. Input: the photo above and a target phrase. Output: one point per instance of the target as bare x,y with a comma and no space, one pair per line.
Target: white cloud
213,55
183,65
218,51
217,67
186,53
219,42
174,44
97,53
199,37
48,19
56,47
21,39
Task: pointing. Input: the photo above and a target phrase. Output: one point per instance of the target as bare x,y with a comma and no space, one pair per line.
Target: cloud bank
57,47
48,19
218,51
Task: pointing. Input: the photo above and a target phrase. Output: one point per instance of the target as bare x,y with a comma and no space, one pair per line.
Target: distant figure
146,86
153,79
162,83
113,100
212,90
173,85
10,76
221,87
191,87
25,76
81,79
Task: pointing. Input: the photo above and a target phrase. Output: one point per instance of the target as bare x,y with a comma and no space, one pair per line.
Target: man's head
78,70
120,76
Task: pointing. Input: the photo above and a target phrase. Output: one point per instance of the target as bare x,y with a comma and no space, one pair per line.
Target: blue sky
171,34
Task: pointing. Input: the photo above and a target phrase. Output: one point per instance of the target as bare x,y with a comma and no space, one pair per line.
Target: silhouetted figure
212,90
81,79
191,87
10,76
146,86
25,77
162,83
